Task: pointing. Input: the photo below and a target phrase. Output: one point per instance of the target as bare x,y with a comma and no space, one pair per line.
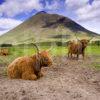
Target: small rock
23,92
68,91
6,92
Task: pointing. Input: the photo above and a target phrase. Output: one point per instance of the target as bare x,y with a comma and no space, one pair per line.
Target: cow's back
18,66
75,48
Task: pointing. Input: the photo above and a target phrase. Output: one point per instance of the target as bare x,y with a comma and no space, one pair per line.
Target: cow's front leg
68,54
71,55
77,56
29,76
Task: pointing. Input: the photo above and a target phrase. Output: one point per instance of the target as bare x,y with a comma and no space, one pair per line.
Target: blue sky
84,12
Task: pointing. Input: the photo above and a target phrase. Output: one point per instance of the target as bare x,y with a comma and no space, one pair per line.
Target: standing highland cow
4,52
77,48
29,68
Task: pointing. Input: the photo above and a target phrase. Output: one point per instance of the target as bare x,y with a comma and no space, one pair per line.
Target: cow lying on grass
29,68
4,52
77,48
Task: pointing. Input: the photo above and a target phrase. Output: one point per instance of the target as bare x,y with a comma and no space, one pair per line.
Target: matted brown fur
4,52
29,68
77,48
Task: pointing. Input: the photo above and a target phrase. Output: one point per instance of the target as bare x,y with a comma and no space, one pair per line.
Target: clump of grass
93,50
96,65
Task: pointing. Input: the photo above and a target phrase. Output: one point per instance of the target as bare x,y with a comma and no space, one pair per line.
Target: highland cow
4,52
29,68
77,48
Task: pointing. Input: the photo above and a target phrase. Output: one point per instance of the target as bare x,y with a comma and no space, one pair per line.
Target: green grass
93,50
56,51
96,65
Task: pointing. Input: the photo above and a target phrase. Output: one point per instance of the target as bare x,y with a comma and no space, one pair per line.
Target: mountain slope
46,27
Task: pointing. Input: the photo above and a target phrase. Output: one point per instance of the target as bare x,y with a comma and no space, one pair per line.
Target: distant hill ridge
46,27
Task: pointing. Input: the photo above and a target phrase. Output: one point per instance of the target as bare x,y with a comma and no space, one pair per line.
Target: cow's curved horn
36,47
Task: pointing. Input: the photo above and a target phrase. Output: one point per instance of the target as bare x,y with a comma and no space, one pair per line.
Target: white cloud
54,6
89,12
7,24
89,16
85,14
75,4
83,10
79,10
2,32
92,26
14,7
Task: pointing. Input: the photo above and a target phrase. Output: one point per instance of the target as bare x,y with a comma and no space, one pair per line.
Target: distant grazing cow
29,67
4,52
77,48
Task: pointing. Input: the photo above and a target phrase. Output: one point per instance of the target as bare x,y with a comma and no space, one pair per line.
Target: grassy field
91,51
56,51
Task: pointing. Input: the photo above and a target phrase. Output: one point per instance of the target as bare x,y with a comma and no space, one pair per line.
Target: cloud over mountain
84,12
13,7
7,24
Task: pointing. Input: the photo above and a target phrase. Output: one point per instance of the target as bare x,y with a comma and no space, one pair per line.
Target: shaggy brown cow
29,68
4,52
77,47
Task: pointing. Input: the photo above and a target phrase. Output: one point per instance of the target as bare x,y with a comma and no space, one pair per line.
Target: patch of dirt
65,80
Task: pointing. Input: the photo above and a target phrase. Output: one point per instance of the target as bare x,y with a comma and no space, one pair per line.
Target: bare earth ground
65,80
